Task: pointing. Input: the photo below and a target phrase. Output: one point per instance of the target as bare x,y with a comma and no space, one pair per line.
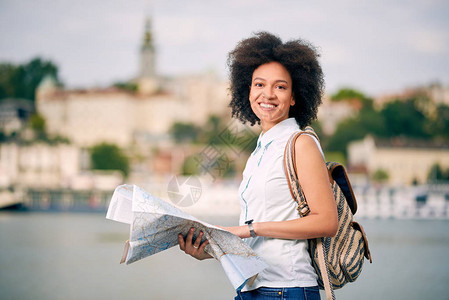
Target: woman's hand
194,248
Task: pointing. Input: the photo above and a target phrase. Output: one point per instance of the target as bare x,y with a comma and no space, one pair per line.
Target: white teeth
265,105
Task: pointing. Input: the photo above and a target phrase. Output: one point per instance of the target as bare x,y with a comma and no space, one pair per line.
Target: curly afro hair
297,56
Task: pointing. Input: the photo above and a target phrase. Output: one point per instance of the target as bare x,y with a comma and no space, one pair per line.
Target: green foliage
220,138
190,166
408,118
335,156
210,132
127,86
3,137
437,173
367,121
380,176
37,123
317,127
21,81
58,139
184,132
347,94
440,124
403,118
7,88
106,156
193,165
372,122
214,132
244,140
367,104
230,170
347,131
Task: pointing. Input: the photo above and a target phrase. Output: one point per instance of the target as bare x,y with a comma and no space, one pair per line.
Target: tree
184,132
106,156
317,127
367,121
347,131
347,94
3,137
21,81
440,124
410,118
355,98
126,86
6,75
403,118
211,130
37,124
380,176
437,173
191,166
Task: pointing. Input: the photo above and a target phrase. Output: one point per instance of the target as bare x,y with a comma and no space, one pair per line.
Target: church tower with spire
147,53
148,82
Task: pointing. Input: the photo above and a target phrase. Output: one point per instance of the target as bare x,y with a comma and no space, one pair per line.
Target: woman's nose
267,93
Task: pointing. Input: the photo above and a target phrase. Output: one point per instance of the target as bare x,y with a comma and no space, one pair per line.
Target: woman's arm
314,179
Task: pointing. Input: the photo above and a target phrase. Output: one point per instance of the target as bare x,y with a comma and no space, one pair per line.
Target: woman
278,85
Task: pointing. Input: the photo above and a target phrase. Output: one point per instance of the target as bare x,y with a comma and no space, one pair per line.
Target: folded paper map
155,225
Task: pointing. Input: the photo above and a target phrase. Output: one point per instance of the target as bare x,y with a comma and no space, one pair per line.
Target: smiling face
271,94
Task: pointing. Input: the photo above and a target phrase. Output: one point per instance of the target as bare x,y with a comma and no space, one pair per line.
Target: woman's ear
292,101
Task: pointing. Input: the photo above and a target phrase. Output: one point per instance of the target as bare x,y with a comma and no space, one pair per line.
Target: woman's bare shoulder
306,143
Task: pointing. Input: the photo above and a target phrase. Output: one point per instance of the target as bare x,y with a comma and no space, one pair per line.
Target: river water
76,256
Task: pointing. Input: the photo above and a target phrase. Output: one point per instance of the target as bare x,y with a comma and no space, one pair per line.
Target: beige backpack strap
323,268
303,208
290,171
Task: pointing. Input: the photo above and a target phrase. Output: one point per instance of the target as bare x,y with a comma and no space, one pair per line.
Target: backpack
339,259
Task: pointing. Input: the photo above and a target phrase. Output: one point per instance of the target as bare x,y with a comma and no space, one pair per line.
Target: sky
375,46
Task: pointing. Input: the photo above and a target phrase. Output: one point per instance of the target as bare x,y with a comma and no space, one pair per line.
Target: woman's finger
203,245
190,237
182,244
196,245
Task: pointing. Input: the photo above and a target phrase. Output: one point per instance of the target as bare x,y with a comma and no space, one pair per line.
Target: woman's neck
266,127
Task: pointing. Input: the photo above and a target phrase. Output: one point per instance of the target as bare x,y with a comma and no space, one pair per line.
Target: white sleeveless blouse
265,196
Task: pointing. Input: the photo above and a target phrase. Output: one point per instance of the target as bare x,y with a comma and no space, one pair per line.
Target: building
36,170
88,117
404,161
137,121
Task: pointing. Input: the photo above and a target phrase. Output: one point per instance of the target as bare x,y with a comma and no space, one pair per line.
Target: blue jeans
265,293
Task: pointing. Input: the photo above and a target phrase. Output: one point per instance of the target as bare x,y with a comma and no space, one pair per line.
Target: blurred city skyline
369,46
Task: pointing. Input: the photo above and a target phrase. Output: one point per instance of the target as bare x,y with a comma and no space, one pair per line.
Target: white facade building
403,162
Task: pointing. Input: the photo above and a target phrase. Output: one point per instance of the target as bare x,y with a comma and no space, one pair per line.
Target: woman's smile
267,106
